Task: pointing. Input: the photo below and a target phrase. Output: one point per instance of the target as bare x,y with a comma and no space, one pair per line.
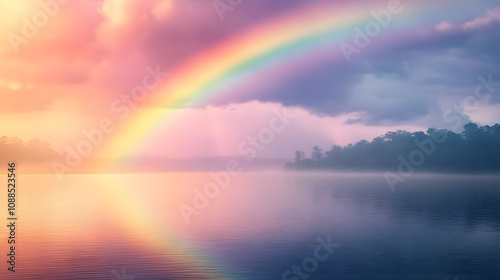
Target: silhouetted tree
476,149
299,156
317,153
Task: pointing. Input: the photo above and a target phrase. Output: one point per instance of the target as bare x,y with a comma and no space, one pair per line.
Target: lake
260,226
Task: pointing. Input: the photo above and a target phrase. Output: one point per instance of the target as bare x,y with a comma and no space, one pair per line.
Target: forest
475,150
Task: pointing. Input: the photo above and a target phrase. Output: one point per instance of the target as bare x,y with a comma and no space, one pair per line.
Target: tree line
475,149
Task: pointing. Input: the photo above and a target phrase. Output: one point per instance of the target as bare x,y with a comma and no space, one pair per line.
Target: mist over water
258,227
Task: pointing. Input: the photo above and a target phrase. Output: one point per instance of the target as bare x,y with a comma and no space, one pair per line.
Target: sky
214,74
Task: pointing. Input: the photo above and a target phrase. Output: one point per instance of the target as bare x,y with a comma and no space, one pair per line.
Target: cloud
492,16
444,26
94,51
414,84
32,151
163,9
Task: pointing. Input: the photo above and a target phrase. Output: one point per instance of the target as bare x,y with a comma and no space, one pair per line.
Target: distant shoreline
476,150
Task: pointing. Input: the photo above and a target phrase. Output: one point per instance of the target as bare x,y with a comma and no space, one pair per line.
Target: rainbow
134,214
264,56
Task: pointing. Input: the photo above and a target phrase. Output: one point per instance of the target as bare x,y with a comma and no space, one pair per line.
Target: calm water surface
258,227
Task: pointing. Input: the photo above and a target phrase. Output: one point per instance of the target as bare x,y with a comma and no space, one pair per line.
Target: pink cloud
216,131
97,50
492,16
444,26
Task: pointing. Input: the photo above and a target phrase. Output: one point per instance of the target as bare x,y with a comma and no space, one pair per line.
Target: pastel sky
67,64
